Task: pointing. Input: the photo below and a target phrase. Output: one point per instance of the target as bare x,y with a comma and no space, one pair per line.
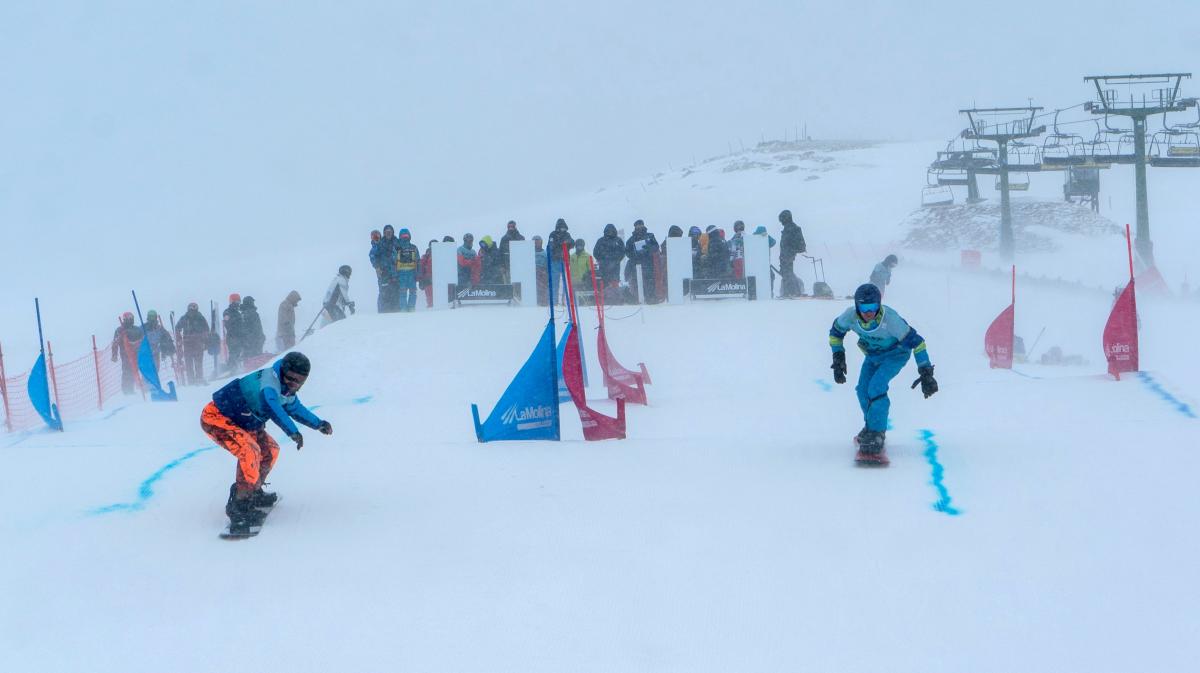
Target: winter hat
486,240
694,231
345,270
721,233
127,317
560,224
375,236
710,228
674,232
387,228
405,233
193,306
785,216
866,294
295,362
152,314
235,298
248,302
739,226
512,224
638,223
610,229
468,237
447,239
760,230
580,244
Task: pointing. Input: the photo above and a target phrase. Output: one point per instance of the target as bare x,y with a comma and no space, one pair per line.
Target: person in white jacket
337,298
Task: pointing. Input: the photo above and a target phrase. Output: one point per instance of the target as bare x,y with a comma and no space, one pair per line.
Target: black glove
298,439
839,366
351,307
928,383
325,428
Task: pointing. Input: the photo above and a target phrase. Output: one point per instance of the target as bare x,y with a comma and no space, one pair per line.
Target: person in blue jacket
236,420
887,341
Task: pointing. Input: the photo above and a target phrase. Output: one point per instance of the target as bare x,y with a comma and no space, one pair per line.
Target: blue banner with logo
39,394
528,409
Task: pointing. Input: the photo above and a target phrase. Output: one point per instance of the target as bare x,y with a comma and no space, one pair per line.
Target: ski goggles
868,308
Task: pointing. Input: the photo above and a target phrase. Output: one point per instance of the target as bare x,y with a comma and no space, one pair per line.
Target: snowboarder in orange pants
236,420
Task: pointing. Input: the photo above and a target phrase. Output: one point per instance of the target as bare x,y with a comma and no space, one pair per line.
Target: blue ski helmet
866,294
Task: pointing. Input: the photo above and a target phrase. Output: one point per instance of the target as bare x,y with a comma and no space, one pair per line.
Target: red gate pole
99,389
4,394
53,378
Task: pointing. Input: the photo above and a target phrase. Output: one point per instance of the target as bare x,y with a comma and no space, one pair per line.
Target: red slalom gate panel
595,424
621,382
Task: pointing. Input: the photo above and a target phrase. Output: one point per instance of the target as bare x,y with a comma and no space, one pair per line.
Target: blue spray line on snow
943,504
146,490
1157,389
824,385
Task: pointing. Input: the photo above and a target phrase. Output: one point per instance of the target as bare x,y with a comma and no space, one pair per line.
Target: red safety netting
80,387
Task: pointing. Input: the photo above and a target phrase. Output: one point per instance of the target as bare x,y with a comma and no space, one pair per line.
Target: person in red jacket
469,262
425,274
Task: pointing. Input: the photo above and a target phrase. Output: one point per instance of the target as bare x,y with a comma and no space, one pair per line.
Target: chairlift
1113,146
1176,146
1017,182
934,193
1060,150
1024,155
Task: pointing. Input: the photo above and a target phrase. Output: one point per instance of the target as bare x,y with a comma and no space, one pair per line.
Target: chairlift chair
1017,182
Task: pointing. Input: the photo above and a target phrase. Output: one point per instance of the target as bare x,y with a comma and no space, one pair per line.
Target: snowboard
862,459
242,533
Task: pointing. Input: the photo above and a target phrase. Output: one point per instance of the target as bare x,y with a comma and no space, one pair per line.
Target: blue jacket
886,332
254,399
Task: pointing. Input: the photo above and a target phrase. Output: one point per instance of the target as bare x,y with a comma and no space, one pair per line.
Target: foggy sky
231,121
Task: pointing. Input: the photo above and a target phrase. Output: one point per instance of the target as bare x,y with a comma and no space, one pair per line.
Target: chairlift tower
1159,94
1016,124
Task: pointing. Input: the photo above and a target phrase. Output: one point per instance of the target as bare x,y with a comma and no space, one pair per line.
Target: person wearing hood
236,420
408,258
791,243
160,340
555,242
491,270
887,341
383,260
609,250
192,333
642,249
674,232
881,275
469,265
337,302
581,266
737,250
285,326
716,259
235,329
126,340
511,234
252,323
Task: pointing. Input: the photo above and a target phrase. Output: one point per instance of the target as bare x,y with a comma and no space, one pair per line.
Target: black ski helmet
866,294
295,362
344,270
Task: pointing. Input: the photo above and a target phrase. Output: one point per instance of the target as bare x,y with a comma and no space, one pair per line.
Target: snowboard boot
241,511
870,449
261,498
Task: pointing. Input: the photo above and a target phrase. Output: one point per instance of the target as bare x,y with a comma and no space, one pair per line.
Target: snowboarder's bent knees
236,420
887,341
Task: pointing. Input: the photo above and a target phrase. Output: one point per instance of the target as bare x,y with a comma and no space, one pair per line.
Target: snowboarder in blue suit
887,341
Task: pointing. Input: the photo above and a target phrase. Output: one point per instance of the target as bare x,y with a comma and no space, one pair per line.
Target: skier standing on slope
236,420
887,341
881,275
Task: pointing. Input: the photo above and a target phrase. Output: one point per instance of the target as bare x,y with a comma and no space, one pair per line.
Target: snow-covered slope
1038,520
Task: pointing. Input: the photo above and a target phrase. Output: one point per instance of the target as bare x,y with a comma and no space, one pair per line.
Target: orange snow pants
256,452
